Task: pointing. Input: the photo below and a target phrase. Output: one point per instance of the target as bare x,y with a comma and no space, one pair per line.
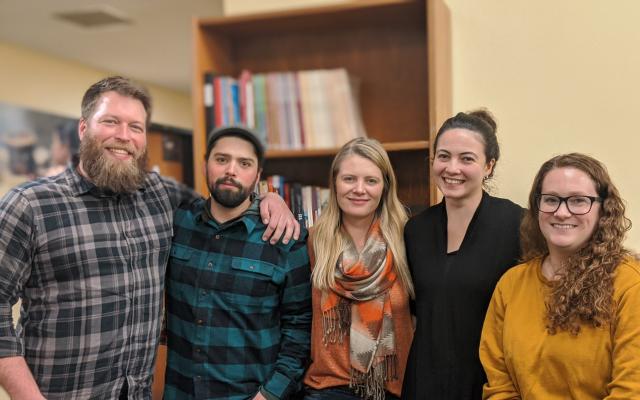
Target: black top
452,294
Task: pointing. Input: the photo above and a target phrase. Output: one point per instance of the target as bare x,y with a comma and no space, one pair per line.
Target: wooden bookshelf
398,49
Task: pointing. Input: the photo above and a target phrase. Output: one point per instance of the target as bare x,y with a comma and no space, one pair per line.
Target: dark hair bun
486,116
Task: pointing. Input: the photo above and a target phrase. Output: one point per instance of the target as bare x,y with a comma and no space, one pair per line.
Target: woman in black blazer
457,250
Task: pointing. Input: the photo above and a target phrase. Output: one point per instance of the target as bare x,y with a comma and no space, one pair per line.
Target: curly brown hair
583,292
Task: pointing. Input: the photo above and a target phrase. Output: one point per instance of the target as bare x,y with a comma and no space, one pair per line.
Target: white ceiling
155,47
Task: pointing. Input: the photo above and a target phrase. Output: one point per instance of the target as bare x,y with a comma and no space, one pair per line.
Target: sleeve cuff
268,395
279,386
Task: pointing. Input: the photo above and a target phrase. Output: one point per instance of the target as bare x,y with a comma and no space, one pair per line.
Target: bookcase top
351,14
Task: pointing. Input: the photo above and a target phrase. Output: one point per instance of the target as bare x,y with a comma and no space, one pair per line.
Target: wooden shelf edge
330,152
231,20
406,146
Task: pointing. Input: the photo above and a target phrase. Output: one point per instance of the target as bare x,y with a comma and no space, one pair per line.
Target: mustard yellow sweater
523,361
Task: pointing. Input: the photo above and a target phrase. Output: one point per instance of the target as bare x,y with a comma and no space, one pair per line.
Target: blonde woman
362,327
566,323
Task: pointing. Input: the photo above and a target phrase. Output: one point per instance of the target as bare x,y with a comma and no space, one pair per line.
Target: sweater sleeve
625,374
499,385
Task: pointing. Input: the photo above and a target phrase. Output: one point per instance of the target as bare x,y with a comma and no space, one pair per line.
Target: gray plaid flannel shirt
89,266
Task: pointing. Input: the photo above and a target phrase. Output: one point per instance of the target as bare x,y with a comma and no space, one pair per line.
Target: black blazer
452,295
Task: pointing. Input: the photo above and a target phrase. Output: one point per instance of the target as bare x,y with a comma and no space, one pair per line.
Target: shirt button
217,236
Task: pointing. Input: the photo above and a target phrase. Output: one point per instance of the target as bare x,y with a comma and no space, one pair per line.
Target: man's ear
82,128
256,185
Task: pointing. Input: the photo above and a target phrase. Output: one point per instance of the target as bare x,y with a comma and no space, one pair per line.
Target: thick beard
110,174
229,198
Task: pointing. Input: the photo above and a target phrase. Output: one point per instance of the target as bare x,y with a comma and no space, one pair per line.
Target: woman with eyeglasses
457,250
566,323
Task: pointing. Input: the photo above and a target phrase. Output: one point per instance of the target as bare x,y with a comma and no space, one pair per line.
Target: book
280,109
306,106
273,120
247,101
289,110
296,200
323,134
217,102
291,107
208,99
298,106
260,107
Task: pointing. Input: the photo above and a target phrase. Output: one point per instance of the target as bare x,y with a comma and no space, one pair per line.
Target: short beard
110,174
229,198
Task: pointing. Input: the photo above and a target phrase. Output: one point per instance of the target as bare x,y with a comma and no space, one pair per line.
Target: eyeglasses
577,205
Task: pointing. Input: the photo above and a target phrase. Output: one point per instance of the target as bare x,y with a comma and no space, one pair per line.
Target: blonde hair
583,294
329,239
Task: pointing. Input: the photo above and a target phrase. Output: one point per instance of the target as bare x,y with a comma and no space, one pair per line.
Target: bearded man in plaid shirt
239,310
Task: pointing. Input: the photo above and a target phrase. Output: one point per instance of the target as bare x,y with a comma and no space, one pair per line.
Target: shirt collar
250,217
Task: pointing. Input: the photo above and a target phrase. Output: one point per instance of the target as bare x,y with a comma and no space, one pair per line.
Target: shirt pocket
256,283
183,265
181,252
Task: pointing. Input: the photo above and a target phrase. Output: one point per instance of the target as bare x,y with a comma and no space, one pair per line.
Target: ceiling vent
97,17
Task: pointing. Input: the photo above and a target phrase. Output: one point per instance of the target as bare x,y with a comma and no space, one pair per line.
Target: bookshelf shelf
397,49
389,147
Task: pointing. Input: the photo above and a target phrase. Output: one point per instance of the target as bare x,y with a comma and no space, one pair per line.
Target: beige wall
45,83
560,76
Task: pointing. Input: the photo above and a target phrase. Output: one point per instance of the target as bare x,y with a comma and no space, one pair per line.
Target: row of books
288,110
306,202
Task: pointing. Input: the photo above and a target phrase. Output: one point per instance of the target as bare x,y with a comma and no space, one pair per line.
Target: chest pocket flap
259,281
181,252
252,266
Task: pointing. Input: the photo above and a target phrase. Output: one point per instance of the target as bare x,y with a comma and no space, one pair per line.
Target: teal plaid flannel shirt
238,308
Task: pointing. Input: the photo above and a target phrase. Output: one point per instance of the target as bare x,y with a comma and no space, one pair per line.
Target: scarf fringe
336,322
370,385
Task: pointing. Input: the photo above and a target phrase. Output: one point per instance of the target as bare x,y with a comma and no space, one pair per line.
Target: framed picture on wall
33,144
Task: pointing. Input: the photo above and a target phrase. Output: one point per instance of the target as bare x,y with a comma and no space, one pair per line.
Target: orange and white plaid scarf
360,302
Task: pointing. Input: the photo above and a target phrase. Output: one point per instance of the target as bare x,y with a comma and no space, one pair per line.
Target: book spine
247,103
217,102
208,99
261,123
235,102
298,110
297,209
